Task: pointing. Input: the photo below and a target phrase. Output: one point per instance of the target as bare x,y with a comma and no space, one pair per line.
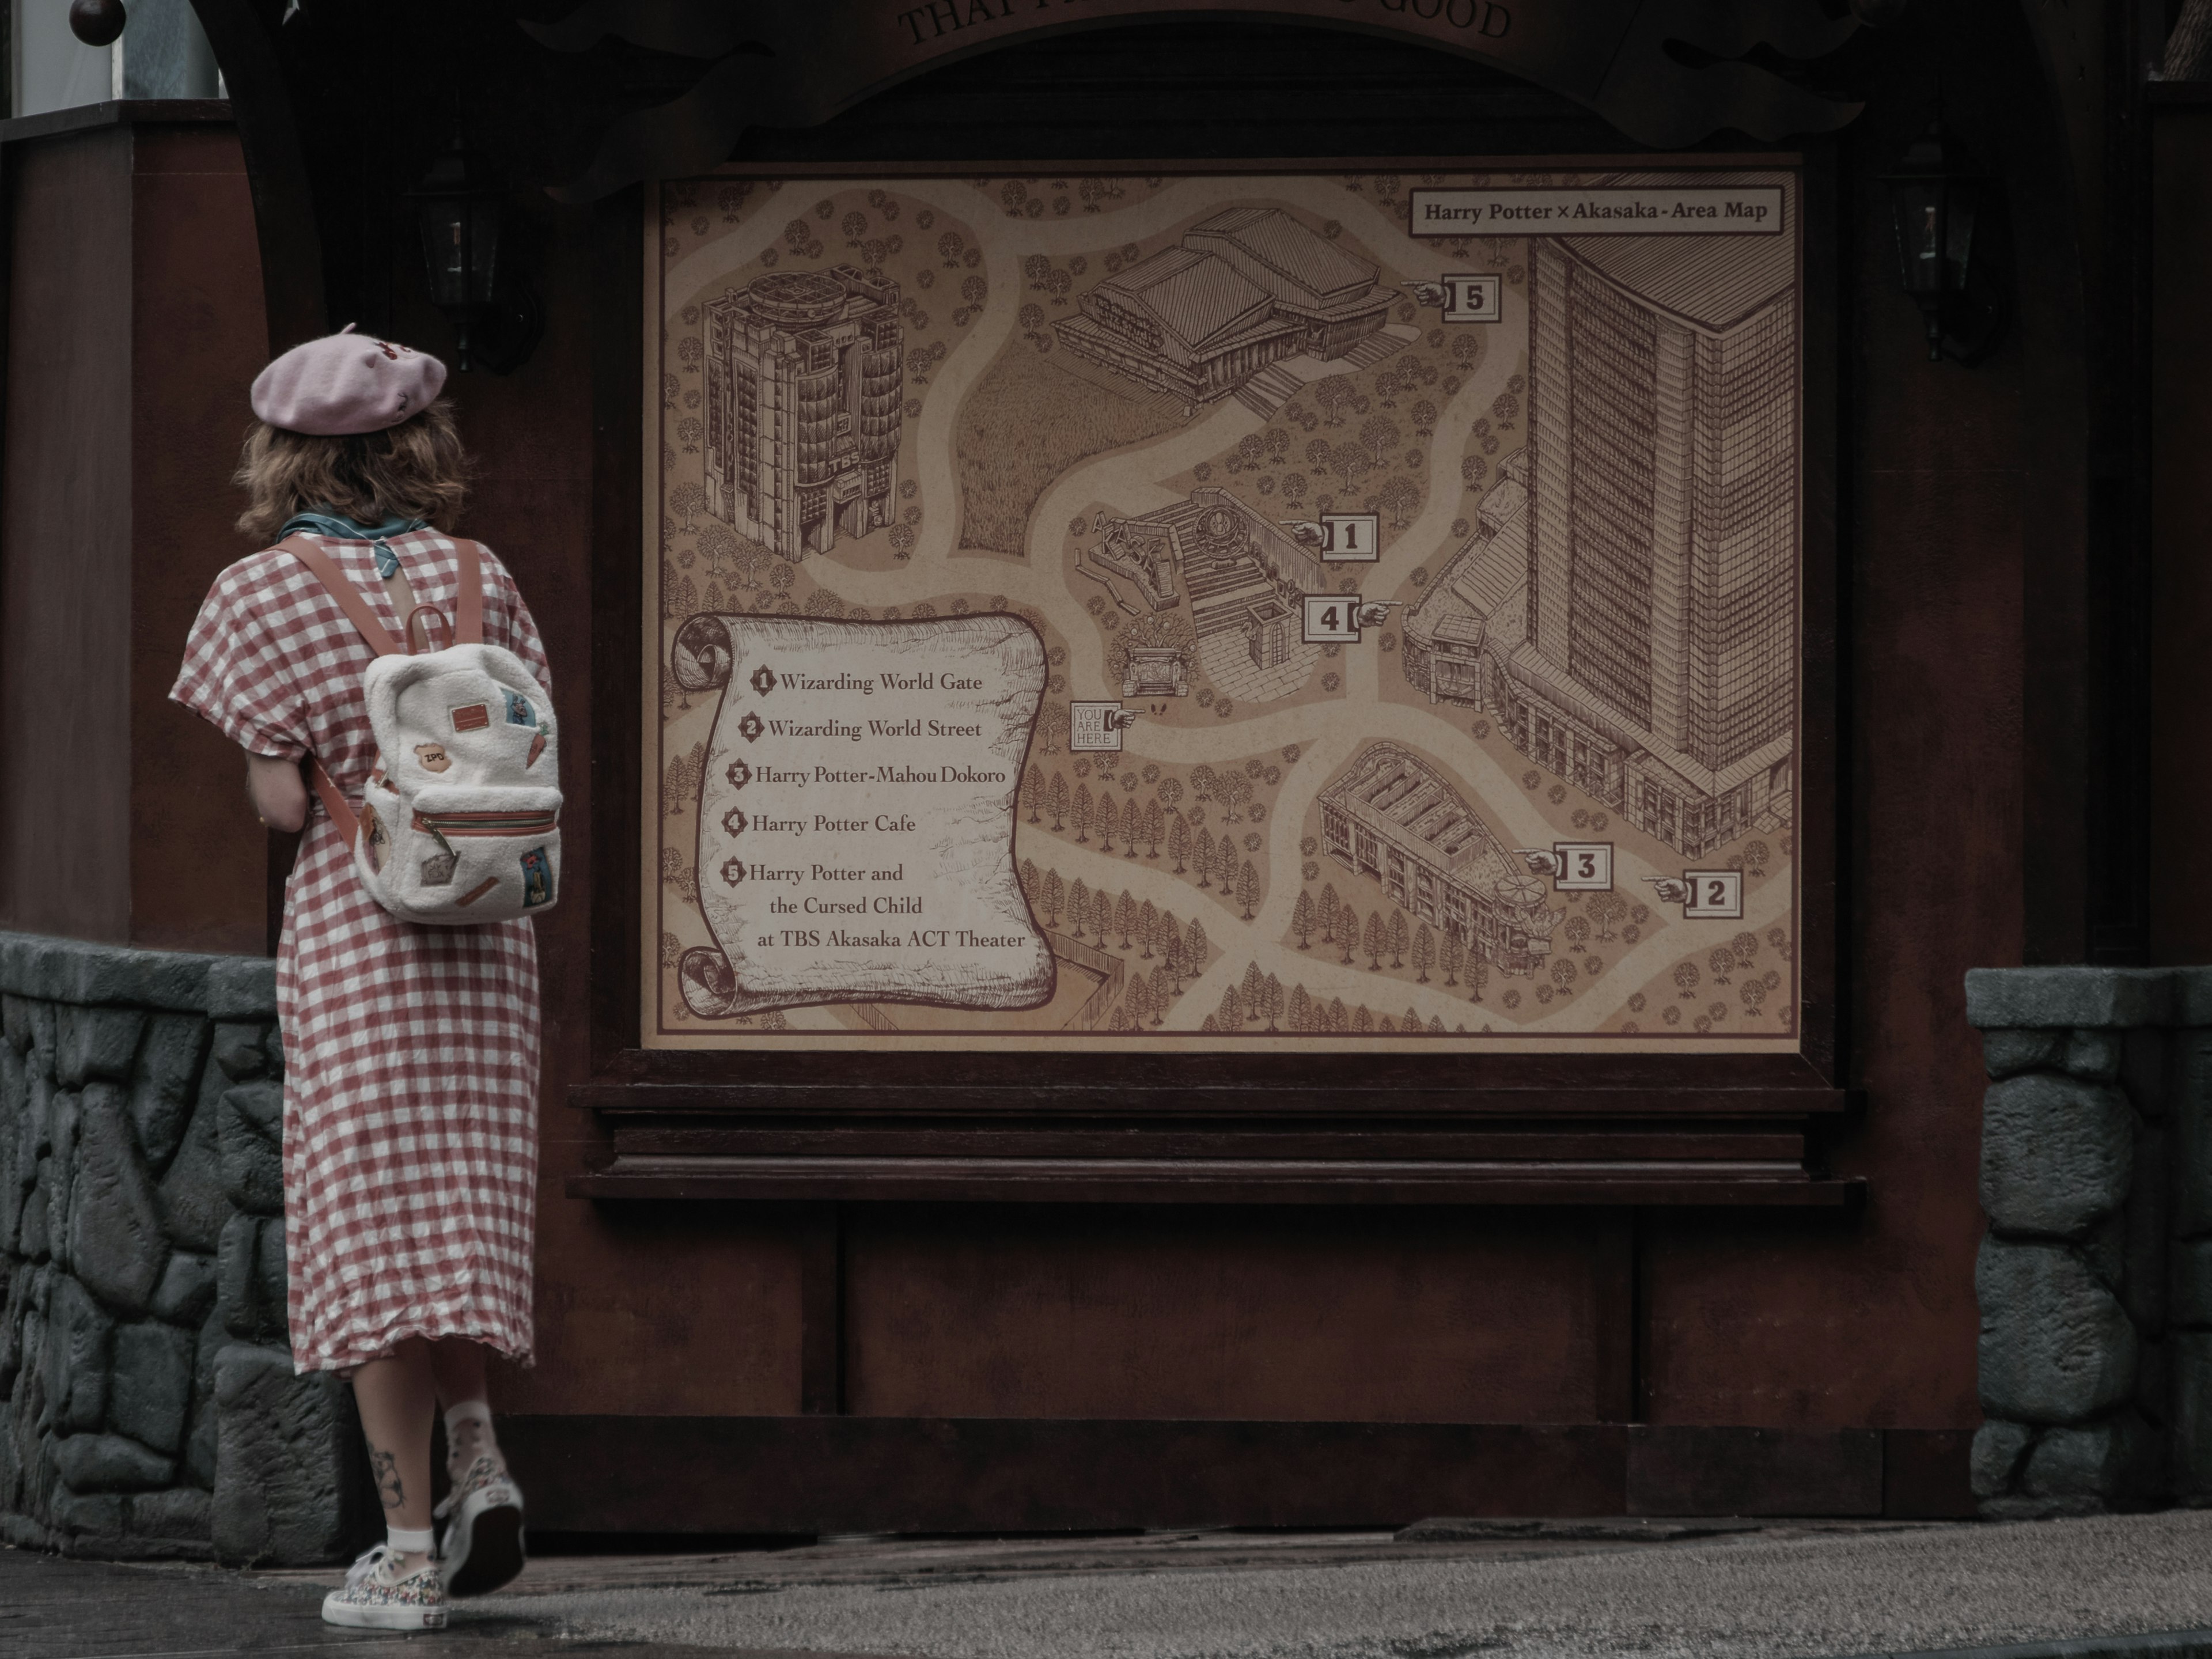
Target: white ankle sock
471,1411
408,1540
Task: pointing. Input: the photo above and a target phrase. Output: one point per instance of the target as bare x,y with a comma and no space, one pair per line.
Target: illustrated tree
1375,941
1202,780
1425,416
1054,722
1327,912
1078,907
1271,1000
1745,947
1178,840
1398,939
1209,1023
687,434
1576,929
1171,792
1425,951
1300,1009
1400,497
1301,917
1155,825
1753,993
1320,456
1756,853
688,501
1225,870
1362,1021
1352,463
1030,880
1563,976
1477,976
1248,887
1606,911
1171,943
1033,791
1718,962
1056,799
679,784
1233,790
1148,927
1104,818
1082,814
1195,946
1685,979
1125,916
1204,859
1380,434
1333,394
1137,1000
1454,956
1102,916
1232,1012
1055,894
1163,992
1250,991
718,545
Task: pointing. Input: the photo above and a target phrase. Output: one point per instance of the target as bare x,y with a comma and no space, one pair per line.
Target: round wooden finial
97,22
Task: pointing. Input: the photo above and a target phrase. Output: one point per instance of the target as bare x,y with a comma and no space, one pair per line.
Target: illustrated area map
1338,612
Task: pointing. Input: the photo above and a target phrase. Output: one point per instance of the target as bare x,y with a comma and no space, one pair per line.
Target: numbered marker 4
1715,896
1332,619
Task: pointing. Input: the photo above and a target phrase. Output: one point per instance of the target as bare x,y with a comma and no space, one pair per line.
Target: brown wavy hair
416,470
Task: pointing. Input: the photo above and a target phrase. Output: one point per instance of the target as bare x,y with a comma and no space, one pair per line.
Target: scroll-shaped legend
857,812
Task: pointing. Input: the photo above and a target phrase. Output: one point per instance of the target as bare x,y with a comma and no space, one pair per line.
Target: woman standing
410,1091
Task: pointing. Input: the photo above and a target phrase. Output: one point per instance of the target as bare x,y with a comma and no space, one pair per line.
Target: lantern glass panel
460,245
1922,239
1959,234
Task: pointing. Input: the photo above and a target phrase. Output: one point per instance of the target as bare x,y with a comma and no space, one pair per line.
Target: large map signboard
1336,613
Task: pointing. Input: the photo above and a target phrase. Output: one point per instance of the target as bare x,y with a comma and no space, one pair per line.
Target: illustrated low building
1157,671
1143,554
1393,817
1245,288
1215,539
803,412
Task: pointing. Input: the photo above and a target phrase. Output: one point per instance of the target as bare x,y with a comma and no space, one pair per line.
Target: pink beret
346,383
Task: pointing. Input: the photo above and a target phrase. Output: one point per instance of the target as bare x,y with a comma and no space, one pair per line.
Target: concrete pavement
1801,1590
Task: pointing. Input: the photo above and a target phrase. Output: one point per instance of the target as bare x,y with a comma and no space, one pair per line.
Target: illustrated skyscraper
804,384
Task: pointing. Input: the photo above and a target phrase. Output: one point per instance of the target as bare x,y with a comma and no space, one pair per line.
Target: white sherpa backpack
461,822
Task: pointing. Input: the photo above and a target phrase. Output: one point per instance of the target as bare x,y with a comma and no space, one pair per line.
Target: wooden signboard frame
1211,1127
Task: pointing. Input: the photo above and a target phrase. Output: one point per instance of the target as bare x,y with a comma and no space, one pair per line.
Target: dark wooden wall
134,329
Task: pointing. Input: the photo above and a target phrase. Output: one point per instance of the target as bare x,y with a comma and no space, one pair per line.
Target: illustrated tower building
804,415
1662,442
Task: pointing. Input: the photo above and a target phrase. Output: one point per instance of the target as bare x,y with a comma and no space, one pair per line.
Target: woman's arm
278,790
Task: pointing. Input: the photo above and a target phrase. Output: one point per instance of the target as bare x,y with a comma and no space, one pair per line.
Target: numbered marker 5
1715,896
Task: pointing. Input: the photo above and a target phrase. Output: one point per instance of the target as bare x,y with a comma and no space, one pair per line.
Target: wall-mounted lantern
1945,250
493,309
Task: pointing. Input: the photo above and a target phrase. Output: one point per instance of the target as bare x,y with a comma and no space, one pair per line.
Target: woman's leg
458,1366
395,1396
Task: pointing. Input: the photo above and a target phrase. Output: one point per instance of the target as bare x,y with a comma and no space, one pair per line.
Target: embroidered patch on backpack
438,869
471,717
519,711
536,748
432,756
537,878
379,838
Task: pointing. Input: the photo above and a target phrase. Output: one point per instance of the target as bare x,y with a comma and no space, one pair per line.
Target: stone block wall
2095,1277
147,1402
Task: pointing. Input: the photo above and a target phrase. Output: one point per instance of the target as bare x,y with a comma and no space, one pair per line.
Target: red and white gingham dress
411,1053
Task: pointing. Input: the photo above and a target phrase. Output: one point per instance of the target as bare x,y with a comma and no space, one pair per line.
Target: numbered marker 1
1351,538
1332,619
1715,896
1584,867
1093,729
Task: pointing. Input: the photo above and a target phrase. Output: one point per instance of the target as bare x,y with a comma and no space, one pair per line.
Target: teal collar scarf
342,529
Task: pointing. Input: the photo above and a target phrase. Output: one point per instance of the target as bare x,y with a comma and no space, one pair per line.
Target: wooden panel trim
1209,1181
650,1138
823,1474
1259,1096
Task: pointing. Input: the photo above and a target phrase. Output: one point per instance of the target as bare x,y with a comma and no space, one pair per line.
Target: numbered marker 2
1715,896
1332,619
1351,538
1584,867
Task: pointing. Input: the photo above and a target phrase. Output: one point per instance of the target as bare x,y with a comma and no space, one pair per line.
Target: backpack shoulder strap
468,598
349,597
334,803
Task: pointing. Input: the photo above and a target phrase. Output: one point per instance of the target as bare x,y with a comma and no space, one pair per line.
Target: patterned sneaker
376,1597
482,1546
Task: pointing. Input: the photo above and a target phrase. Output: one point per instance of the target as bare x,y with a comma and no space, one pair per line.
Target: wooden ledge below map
1215,1180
